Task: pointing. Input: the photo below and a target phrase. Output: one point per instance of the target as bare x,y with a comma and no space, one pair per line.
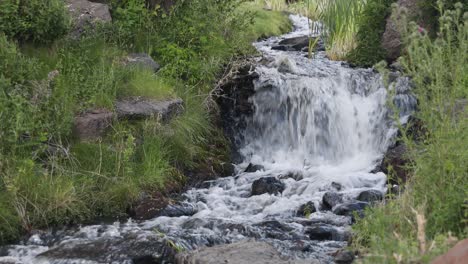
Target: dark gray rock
130,248
228,169
327,232
254,168
348,209
93,124
269,185
177,210
135,108
396,160
343,256
148,207
370,196
298,44
296,175
331,199
336,186
142,61
306,209
86,15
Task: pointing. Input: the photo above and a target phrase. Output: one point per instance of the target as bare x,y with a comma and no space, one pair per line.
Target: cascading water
318,124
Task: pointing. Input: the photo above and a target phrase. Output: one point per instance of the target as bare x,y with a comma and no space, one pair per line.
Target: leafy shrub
371,24
34,20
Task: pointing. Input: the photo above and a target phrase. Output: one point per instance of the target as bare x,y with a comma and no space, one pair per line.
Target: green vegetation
48,177
422,222
371,26
34,20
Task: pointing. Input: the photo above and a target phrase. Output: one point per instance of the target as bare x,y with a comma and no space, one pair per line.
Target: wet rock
344,257
228,169
131,249
269,185
395,190
306,209
86,15
330,199
370,196
254,168
293,44
93,124
327,232
135,108
142,61
177,210
246,252
396,161
348,209
148,207
275,230
234,103
457,255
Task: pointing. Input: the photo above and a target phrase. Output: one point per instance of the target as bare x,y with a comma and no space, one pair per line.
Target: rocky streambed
309,134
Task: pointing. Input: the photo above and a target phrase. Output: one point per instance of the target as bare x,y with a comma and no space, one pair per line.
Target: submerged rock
269,185
135,108
294,44
370,196
330,199
246,252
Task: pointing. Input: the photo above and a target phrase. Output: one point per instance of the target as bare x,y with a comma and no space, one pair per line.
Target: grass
47,177
436,192
266,23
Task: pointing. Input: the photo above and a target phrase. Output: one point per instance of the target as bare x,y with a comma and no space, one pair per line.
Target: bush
40,21
371,24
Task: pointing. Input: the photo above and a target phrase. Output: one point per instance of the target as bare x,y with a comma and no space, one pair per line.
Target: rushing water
319,119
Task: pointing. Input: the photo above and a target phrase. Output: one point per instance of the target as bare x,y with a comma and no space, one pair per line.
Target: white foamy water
315,118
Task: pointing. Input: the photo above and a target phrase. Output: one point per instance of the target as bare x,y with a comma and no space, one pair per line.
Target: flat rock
93,124
142,61
135,108
238,253
86,14
269,185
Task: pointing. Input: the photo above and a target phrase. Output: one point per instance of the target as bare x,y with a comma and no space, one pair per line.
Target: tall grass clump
275,5
341,20
432,212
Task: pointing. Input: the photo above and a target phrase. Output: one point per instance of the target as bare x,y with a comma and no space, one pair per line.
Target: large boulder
135,108
141,61
269,185
246,252
86,14
92,124
130,248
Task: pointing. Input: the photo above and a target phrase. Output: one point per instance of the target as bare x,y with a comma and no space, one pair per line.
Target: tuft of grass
437,190
146,83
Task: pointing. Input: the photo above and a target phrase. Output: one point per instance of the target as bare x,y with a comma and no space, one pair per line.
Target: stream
318,129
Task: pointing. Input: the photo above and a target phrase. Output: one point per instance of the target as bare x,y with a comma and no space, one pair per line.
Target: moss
266,23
